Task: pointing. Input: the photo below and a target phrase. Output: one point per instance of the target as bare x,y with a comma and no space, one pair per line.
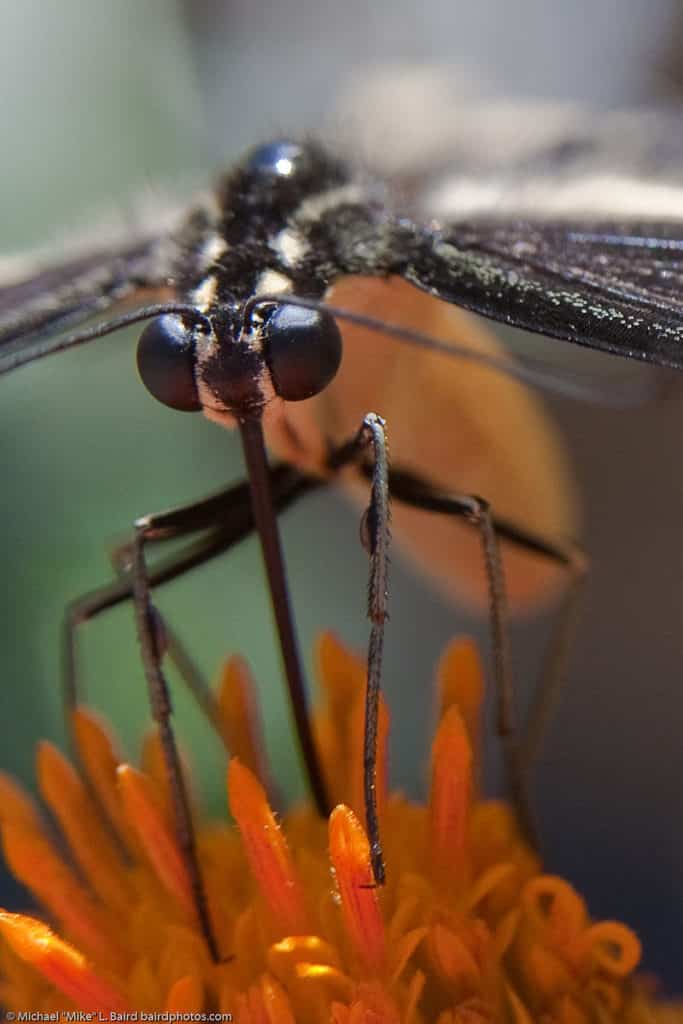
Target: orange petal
185,995
486,883
518,1011
503,935
607,995
144,981
404,949
61,964
244,1010
153,764
184,954
80,821
331,740
415,989
146,817
453,960
568,1012
548,976
374,1005
275,1002
450,796
99,754
266,1003
33,861
342,673
339,1014
16,806
350,855
613,947
555,910
471,1011
239,715
267,851
460,680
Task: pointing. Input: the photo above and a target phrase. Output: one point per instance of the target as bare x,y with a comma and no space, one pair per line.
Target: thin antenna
13,357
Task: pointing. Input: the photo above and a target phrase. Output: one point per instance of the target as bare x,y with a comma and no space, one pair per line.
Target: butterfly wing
578,238
615,287
42,295
55,298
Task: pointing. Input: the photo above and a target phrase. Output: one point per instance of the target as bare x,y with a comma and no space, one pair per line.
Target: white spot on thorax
290,246
272,282
204,295
214,247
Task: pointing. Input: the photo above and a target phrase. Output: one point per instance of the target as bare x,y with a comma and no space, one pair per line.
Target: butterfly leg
168,640
226,519
477,511
232,514
409,488
375,537
553,672
92,604
570,556
151,645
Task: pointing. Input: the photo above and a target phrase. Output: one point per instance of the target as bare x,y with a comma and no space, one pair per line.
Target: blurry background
103,98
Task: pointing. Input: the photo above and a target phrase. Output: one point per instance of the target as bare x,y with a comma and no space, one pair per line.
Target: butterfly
243,297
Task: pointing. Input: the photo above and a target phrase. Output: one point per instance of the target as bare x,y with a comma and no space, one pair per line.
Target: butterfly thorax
290,218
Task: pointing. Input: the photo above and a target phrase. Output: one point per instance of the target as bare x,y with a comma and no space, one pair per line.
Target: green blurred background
103,99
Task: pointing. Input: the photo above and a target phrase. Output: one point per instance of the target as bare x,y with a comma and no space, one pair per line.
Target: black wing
42,302
616,287
557,220
575,235
142,259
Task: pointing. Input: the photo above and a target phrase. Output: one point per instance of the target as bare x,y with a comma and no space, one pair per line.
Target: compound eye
166,363
303,350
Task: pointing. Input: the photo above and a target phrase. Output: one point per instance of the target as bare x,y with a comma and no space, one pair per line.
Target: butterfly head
235,362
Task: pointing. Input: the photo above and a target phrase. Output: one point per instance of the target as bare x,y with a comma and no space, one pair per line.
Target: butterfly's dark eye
278,160
166,363
303,350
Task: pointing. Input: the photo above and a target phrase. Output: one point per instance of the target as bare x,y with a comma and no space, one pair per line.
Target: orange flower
466,930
